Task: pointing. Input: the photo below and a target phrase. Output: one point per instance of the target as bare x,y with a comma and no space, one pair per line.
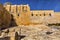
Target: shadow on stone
49,33
13,23
21,37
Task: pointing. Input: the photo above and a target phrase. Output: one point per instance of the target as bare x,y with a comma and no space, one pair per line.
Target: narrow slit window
44,14
50,14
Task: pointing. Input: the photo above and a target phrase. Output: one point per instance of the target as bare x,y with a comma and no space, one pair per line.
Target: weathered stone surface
5,17
39,33
35,32
24,16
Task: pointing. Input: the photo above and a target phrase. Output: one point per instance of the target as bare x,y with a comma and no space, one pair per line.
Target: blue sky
38,4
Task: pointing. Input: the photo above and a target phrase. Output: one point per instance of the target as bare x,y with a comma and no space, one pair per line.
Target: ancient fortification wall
23,15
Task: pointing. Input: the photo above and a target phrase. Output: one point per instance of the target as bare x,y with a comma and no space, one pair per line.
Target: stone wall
23,15
5,17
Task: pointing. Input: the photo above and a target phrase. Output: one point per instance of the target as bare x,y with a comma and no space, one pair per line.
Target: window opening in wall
50,14
31,14
44,14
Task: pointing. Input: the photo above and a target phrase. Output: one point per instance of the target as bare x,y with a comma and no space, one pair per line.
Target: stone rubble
38,32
